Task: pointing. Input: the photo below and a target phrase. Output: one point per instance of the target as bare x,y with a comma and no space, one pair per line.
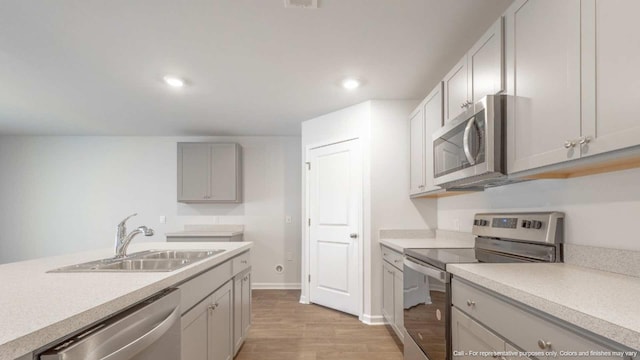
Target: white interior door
335,203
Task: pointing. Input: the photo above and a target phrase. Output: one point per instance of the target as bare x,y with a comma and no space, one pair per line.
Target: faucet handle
127,218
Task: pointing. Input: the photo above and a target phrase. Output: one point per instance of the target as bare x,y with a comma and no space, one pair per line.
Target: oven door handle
465,140
427,270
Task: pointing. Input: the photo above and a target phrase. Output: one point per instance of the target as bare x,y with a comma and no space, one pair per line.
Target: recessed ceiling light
173,81
350,83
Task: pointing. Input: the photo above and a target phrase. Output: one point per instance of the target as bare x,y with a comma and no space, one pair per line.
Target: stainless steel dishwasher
149,330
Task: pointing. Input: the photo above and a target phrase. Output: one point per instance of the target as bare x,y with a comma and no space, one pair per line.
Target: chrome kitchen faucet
123,240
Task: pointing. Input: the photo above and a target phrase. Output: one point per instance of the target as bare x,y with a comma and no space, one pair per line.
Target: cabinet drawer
241,262
524,329
392,257
201,286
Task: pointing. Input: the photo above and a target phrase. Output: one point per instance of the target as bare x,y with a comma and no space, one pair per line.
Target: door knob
353,235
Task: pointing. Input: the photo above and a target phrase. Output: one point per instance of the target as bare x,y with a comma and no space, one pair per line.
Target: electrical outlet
287,219
163,219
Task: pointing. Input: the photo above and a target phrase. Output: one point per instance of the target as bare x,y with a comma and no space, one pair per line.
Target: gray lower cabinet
393,290
241,308
207,328
209,172
216,310
484,322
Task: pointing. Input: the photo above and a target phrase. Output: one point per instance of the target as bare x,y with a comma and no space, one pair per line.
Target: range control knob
526,224
485,222
476,222
536,224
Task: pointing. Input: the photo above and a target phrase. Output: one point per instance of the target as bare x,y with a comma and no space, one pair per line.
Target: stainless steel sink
145,261
144,265
176,254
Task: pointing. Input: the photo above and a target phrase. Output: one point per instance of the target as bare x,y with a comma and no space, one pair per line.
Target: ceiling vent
301,4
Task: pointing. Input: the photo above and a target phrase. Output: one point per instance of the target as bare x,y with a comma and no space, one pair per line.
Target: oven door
470,145
427,308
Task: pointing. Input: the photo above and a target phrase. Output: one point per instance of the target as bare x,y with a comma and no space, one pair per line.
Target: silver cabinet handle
462,106
584,140
471,303
544,344
569,144
243,261
353,235
397,261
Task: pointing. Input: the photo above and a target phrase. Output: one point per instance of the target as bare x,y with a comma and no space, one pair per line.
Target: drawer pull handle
243,261
396,261
544,344
471,303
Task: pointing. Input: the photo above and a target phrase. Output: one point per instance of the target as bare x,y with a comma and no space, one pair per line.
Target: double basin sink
144,261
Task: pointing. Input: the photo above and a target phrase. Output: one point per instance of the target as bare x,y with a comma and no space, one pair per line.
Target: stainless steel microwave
469,151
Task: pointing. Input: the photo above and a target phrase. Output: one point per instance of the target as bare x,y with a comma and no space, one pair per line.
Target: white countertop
602,302
37,308
433,243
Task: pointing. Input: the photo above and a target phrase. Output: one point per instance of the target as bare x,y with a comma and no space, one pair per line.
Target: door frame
305,294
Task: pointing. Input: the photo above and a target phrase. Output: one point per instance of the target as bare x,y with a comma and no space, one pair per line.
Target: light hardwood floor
284,329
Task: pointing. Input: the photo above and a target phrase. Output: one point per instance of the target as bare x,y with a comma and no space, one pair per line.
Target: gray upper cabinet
543,76
479,73
456,97
485,61
424,120
416,151
433,119
209,172
610,47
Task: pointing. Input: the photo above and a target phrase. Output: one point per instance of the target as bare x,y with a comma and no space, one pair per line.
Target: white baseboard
275,286
373,320
303,300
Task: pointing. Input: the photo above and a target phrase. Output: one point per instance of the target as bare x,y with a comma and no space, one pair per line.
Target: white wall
383,129
601,210
391,207
66,194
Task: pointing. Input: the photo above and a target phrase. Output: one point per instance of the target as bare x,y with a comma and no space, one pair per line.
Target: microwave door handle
466,139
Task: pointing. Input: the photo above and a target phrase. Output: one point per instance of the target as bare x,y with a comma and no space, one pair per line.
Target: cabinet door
195,332
611,86
455,90
485,62
542,61
398,308
467,335
193,171
224,167
433,121
246,304
416,150
221,324
388,310
237,313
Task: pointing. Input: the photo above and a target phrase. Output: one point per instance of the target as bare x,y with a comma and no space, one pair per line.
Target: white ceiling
95,67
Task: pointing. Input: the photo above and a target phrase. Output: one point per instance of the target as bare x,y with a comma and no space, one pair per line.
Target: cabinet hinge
309,277
309,221
308,165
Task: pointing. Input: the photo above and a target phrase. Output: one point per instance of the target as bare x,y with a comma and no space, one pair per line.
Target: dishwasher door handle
130,350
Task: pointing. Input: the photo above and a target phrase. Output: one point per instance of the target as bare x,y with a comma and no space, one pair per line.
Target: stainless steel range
500,237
